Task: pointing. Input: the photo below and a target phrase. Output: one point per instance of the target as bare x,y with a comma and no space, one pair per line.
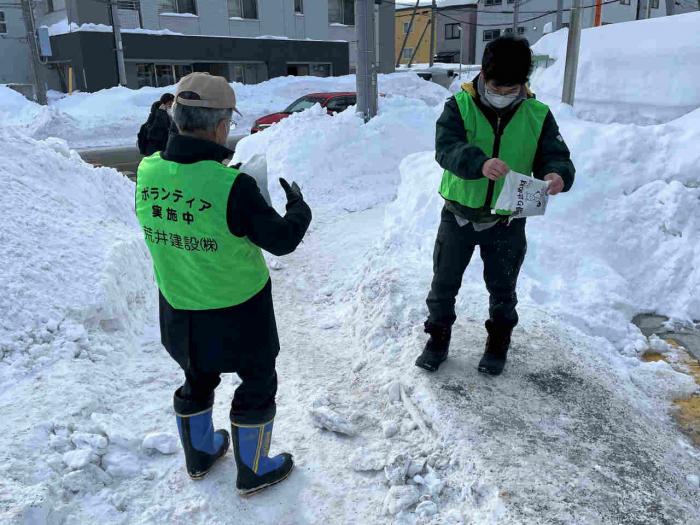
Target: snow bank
113,116
625,240
337,159
625,78
73,261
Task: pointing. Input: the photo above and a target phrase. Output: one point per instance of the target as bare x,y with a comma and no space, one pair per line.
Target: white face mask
500,101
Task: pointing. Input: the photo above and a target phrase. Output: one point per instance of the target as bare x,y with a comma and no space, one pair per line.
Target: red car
333,102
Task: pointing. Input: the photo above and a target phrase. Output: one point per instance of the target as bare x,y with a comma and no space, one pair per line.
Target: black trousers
253,402
207,343
502,249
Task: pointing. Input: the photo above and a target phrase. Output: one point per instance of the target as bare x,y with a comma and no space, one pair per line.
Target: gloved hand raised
293,192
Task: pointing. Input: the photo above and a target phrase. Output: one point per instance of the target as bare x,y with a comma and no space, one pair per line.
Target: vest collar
188,150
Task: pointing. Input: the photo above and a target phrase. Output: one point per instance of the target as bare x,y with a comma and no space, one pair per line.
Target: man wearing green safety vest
205,225
494,125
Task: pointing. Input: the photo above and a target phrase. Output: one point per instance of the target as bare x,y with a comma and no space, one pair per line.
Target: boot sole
489,372
429,368
250,492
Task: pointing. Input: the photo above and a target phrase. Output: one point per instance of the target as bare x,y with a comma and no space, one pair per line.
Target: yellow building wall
422,18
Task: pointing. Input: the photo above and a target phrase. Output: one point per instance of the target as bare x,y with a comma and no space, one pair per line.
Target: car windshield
302,104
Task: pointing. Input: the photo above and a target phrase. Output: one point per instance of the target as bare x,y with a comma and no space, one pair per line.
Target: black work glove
293,192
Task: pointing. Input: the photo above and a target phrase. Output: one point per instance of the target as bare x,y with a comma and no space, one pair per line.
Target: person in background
205,225
159,124
494,125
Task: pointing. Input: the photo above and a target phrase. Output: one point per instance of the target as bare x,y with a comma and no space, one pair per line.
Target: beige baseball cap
206,91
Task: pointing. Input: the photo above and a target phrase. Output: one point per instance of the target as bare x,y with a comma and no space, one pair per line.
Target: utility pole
572,49
119,48
557,20
366,77
598,14
433,16
39,87
516,11
410,28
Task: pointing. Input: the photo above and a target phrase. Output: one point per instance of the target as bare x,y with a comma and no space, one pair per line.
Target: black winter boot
437,347
497,344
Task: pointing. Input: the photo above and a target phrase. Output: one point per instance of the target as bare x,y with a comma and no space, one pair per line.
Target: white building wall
534,24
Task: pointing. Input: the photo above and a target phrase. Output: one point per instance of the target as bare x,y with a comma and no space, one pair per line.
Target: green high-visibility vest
518,145
199,264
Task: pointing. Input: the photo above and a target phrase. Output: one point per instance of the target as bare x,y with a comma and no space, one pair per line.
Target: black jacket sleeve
250,216
452,151
553,155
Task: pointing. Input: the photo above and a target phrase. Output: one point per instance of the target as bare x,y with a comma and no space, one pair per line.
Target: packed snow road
557,439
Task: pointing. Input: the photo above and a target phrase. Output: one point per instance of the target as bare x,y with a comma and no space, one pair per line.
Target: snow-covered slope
640,72
73,260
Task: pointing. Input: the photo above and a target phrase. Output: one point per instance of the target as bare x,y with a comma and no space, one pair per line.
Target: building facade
496,16
244,40
455,32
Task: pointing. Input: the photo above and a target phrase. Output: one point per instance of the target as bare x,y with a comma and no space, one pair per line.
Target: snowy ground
577,431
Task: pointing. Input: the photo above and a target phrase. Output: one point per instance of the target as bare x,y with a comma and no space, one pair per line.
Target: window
491,34
509,30
451,31
407,28
49,6
654,4
624,2
493,2
341,12
303,103
243,9
177,6
128,5
161,75
3,24
145,75
407,53
299,7
315,70
511,1
337,104
249,73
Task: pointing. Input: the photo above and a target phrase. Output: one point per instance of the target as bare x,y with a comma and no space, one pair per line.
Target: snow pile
74,262
652,80
113,116
62,27
338,160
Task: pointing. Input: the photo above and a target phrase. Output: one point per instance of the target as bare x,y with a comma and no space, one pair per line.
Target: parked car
333,102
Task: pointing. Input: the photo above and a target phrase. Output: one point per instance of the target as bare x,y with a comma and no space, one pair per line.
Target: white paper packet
523,196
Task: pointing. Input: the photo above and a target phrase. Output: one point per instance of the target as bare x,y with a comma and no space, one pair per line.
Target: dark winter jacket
158,125
454,153
217,340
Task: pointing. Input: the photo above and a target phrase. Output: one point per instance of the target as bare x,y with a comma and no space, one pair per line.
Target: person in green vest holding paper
205,225
492,126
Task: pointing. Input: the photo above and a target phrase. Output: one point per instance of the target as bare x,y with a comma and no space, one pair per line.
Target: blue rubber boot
256,471
202,445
